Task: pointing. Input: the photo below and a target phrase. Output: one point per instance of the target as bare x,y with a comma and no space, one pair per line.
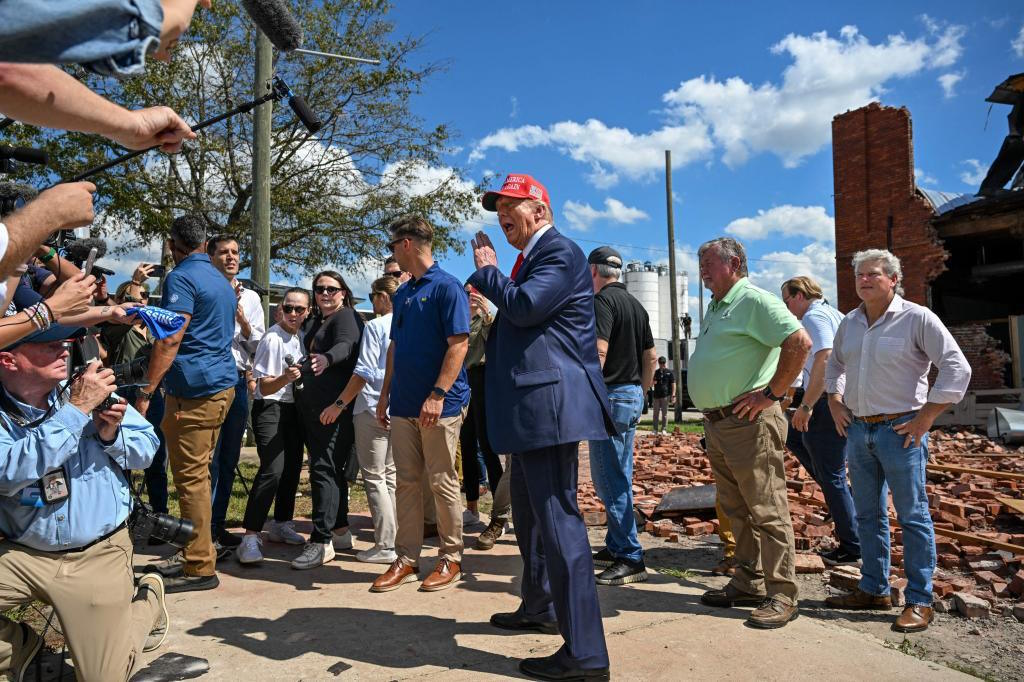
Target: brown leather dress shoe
445,574
914,618
858,599
727,567
772,613
397,575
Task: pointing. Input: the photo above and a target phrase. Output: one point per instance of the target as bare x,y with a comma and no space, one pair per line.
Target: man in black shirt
664,392
625,347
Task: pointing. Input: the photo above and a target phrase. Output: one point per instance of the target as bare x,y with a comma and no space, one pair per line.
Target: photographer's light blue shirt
108,37
100,496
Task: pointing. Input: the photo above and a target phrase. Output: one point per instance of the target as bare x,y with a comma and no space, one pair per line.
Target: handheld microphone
277,23
23,154
78,250
290,361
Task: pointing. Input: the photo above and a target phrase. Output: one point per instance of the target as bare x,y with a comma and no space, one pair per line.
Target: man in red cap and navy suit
545,393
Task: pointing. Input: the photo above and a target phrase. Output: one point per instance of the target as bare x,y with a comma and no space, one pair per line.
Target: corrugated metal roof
943,202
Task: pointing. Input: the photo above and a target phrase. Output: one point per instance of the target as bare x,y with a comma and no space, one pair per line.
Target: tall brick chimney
873,168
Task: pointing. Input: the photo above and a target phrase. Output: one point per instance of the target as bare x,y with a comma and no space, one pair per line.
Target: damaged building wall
877,205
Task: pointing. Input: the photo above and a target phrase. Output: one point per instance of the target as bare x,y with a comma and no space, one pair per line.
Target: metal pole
700,303
677,368
261,170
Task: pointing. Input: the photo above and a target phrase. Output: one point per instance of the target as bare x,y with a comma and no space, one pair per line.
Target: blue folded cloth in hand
161,322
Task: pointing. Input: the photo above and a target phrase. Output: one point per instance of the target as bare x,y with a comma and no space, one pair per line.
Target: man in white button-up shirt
884,349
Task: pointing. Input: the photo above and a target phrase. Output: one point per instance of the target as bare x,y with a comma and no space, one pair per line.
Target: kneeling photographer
64,504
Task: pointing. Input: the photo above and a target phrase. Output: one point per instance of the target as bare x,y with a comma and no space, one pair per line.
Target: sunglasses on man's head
293,308
392,245
330,291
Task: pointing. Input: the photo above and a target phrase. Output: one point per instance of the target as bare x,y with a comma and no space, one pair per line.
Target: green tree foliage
333,193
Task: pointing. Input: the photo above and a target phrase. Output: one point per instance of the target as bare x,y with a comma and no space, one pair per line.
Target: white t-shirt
269,360
4,239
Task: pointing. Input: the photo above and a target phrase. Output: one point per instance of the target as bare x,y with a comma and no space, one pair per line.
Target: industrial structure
650,284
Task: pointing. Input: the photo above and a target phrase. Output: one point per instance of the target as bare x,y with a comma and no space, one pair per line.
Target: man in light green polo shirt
750,350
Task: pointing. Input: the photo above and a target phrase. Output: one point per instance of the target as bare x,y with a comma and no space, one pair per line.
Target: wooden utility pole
677,367
260,270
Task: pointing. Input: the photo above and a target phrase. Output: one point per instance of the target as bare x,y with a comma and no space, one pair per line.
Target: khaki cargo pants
746,458
93,592
191,427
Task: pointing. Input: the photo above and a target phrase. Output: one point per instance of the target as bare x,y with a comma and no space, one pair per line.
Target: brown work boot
729,596
772,613
727,567
445,574
914,618
491,534
859,599
396,576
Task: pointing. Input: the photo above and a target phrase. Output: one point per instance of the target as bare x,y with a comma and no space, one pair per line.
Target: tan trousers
191,427
429,452
93,592
746,458
725,532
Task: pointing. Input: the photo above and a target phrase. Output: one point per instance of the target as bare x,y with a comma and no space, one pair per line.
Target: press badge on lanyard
50,489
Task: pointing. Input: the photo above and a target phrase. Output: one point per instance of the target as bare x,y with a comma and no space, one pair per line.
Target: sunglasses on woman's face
330,291
289,309
131,299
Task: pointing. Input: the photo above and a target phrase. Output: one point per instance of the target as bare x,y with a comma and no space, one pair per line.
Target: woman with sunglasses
278,428
332,335
373,441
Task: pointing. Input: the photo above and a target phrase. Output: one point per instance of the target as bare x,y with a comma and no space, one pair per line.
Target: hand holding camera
92,387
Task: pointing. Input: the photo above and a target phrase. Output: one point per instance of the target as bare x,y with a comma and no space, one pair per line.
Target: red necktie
515,268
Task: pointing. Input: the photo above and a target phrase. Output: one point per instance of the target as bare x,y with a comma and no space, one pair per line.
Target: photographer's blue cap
57,332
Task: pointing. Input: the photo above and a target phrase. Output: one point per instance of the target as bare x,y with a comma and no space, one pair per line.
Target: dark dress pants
156,473
329,449
474,435
558,569
279,443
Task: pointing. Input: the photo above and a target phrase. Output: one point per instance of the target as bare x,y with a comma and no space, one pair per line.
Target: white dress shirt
373,360
886,365
821,322
534,239
4,240
242,349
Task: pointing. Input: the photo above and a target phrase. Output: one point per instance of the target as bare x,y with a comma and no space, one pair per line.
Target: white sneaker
342,541
314,554
376,555
284,532
250,552
156,636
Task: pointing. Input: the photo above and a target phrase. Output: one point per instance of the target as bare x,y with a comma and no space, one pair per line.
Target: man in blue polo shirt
425,386
199,377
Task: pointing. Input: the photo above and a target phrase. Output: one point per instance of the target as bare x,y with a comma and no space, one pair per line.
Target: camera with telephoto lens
126,374
146,524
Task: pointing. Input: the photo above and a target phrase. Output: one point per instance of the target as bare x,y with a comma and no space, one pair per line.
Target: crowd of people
446,385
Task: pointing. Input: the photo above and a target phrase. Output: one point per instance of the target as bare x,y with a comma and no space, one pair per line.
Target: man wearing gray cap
625,348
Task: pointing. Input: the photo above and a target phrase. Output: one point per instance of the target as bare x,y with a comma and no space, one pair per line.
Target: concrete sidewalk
273,623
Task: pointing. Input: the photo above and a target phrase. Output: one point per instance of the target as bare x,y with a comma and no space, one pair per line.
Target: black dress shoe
171,567
191,583
603,558
548,668
517,621
227,539
730,596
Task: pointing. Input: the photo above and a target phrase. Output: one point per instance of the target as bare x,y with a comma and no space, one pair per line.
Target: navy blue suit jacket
543,376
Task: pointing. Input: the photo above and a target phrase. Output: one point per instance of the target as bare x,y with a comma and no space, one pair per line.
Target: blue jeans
822,452
611,468
226,454
878,464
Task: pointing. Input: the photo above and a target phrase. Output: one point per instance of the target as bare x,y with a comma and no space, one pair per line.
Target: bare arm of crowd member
65,206
650,364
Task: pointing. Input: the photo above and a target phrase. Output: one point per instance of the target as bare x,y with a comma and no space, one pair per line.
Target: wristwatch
341,404
806,408
142,393
767,392
439,392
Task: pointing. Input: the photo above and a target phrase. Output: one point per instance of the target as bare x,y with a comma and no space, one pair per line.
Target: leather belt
879,418
717,413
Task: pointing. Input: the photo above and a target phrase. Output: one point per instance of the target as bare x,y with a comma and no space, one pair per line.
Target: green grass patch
684,427
677,573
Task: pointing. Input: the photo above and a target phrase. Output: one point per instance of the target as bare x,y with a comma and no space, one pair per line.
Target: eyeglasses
144,296
391,245
395,273
293,308
330,291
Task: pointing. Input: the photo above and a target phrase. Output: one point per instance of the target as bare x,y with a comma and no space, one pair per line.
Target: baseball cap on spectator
517,186
605,255
56,332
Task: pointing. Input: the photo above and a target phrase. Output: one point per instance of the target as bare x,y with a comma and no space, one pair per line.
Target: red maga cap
517,186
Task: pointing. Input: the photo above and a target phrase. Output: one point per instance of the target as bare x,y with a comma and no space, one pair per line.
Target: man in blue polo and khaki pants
545,393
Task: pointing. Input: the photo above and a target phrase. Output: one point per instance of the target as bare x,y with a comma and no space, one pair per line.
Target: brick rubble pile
973,577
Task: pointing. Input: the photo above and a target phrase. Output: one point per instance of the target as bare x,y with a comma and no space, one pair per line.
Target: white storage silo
642,283
665,301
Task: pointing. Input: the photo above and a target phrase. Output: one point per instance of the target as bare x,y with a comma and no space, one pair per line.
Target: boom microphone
23,154
277,23
78,250
305,114
12,191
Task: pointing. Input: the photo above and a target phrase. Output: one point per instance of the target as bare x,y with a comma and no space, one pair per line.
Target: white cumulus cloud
924,178
975,172
1018,43
582,216
948,82
817,261
788,221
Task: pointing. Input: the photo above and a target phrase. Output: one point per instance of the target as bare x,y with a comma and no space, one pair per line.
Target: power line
665,251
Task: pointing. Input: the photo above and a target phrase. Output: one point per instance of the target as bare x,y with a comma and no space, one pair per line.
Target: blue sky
586,96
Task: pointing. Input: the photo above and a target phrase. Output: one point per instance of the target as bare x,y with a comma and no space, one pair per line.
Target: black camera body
144,524
126,374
